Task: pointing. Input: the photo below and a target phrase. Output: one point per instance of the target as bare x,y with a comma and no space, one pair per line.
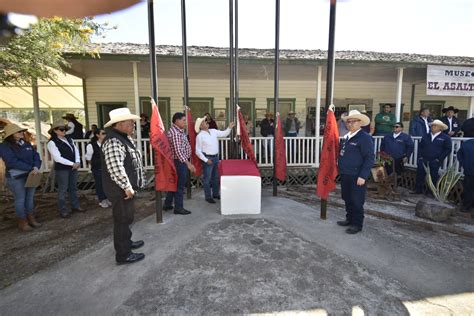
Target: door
103,109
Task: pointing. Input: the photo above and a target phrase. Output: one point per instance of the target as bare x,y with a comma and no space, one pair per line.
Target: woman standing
93,157
66,162
20,159
211,121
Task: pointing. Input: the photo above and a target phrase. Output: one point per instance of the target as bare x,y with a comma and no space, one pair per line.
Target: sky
437,27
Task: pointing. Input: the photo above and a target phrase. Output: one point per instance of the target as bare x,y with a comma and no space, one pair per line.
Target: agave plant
445,183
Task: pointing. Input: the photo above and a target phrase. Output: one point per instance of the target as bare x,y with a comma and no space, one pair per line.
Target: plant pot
434,210
378,173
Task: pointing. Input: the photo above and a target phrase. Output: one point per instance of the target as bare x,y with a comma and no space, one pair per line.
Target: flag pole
185,78
236,52
329,78
276,105
154,91
232,108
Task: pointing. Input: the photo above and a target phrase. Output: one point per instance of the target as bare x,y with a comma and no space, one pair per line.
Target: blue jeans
24,197
182,172
99,190
67,182
210,174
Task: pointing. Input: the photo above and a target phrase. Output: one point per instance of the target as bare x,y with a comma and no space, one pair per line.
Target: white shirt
426,124
90,150
71,128
434,136
206,142
450,120
395,135
54,151
350,135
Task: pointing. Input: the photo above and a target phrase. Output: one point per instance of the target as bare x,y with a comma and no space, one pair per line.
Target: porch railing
300,151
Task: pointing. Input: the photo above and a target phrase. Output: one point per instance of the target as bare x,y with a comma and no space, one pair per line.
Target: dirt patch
24,254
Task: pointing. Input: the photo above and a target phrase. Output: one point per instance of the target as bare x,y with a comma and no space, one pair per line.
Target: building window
103,109
163,107
286,105
247,107
434,106
200,106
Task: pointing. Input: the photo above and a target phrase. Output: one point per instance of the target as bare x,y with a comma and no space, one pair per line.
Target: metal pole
398,106
232,109
236,52
154,91
137,104
36,111
329,78
185,77
318,114
276,105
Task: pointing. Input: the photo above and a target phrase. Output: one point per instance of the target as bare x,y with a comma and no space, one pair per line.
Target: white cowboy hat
11,129
57,124
119,115
197,124
440,124
354,114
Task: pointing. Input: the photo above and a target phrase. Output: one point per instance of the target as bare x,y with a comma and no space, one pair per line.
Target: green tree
40,49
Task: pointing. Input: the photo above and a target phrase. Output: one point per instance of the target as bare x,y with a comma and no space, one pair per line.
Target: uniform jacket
417,126
399,147
466,157
23,158
356,156
456,128
438,149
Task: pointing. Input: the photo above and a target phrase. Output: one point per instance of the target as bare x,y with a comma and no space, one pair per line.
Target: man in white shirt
207,149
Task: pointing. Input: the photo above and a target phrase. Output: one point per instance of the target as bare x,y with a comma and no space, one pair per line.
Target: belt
207,155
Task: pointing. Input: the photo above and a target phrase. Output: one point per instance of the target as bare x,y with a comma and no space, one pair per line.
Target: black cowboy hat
450,108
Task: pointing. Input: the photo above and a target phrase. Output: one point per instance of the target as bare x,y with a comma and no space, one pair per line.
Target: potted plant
438,208
378,171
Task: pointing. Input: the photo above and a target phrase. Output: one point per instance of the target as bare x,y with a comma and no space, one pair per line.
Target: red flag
328,164
280,158
166,178
245,140
192,140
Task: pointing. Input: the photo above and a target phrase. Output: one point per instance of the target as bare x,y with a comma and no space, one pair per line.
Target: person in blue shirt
356,158
465,156
20,159
399,146
420,125
432,150
452,122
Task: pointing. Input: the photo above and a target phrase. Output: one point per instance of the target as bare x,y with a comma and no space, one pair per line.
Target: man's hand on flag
232,125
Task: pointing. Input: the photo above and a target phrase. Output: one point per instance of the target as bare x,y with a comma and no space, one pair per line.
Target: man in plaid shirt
122,176
181,153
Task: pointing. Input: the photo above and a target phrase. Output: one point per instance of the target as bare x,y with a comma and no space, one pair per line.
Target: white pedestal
241,195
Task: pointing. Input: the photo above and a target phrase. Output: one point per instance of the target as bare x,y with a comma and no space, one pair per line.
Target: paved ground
285,259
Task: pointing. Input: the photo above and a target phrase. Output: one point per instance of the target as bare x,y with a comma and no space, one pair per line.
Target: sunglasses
62,129
397,126
103,133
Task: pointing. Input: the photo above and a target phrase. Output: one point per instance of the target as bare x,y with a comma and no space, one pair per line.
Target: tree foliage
36,52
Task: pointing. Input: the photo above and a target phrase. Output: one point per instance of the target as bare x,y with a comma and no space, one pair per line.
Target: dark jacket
288,125
438,149
468,127
267,127
356,156
399,147
24,157
96,159
466,157
77,134
66,152
417,126
456,128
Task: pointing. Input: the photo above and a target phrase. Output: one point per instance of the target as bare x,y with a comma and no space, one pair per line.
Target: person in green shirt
384,121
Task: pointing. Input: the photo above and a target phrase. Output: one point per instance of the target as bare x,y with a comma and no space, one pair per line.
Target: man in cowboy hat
356,158
207,149
452,122
292,125
122,176
75,128
433,149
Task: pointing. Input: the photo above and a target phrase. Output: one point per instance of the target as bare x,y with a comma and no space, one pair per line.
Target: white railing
300,151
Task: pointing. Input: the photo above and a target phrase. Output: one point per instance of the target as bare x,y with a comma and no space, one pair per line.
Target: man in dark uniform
466,160
420,125
356,158
122,176
452,122
399,146
433,149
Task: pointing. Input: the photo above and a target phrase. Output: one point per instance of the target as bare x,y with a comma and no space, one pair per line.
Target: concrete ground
284,260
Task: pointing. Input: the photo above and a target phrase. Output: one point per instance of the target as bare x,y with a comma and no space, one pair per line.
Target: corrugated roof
285,54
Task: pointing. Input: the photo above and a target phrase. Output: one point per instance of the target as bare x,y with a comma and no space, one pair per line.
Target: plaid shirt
114,155
179,144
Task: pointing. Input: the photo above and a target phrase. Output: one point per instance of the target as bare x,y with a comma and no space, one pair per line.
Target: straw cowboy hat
197,125
69,116
450,108
440,124
119,115
11,129
57,124
354,114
